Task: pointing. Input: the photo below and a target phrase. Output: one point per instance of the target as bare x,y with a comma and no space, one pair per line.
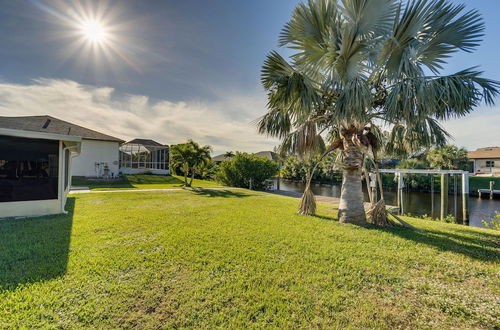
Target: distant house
99,152
144,156
264,154
35,169
485,160
268,155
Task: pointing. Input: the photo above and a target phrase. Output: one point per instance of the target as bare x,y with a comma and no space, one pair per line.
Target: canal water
415,203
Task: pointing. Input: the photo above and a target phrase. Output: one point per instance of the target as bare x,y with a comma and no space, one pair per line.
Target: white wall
93,152
480,166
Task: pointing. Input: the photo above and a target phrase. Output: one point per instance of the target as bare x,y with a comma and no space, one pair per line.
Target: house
268,155
35,171
144,156
221,158
99,152
264,154
485,161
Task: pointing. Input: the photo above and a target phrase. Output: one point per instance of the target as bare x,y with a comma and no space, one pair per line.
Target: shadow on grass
479,247
34,249
220,193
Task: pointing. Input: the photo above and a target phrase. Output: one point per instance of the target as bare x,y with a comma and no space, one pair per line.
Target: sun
94,31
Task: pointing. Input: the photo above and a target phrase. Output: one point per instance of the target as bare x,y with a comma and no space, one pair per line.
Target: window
29,169
490,163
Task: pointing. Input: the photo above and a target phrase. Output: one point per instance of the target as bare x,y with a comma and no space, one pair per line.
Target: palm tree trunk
307,202
192,177
185,169
351,207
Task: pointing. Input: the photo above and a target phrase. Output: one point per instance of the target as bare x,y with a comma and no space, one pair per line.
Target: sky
175,70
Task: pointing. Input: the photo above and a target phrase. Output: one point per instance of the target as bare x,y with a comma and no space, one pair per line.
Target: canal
416,203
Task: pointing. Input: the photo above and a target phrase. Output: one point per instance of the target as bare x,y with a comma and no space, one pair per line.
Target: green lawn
142,181
235,258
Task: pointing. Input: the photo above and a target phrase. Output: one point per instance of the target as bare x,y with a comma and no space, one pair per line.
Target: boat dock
489,192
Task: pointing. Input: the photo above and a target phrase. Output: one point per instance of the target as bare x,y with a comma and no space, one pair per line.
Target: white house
35,171
486,161
99,152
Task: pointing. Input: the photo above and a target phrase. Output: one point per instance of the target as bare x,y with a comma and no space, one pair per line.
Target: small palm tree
200,157
358,64
189,156
181,155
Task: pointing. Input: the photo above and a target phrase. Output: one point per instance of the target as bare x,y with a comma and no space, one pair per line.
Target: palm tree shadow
479,247
219,193
34,249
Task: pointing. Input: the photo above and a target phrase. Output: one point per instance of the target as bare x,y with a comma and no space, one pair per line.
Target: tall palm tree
358,64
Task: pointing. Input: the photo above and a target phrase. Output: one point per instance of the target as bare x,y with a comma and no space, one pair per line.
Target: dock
489,192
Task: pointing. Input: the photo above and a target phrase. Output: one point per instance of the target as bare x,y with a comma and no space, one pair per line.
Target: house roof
267,154
51,125
146,142
264,154
484,153
220,158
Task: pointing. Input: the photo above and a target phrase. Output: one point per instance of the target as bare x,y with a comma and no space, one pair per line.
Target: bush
494,223
241,168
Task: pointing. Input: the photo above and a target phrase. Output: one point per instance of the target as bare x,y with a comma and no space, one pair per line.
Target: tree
245,170
228,155
189,157
357,64
449,157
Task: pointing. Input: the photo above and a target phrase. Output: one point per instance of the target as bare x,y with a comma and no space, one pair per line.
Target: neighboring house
144,156
486,160
99,152
268,155
220,158
264,154
35,170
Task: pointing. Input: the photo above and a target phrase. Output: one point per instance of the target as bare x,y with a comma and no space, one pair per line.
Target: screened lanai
144,156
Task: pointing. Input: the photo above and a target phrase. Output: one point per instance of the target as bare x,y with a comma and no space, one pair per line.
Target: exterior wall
30,208
480,166
92,152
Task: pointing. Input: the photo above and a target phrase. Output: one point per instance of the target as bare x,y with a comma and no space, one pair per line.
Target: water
416,203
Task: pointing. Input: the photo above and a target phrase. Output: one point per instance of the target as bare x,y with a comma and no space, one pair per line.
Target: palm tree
200,156
357,64
181,155
228,155
189,156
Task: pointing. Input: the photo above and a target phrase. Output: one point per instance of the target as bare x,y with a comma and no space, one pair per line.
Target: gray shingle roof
48,124
146,142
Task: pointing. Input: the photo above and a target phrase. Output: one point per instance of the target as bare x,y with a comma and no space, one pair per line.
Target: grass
141,181
236,258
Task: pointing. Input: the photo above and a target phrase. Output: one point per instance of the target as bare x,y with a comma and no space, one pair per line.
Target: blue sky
181,69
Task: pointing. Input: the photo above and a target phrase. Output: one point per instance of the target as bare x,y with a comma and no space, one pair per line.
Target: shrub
493,223
244,167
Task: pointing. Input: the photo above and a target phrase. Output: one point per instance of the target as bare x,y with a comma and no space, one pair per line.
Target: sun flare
94,31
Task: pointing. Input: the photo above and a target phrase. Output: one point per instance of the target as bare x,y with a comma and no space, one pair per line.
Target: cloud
225,124
479,129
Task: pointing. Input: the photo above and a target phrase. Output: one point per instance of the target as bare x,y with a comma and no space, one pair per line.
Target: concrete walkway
88,191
